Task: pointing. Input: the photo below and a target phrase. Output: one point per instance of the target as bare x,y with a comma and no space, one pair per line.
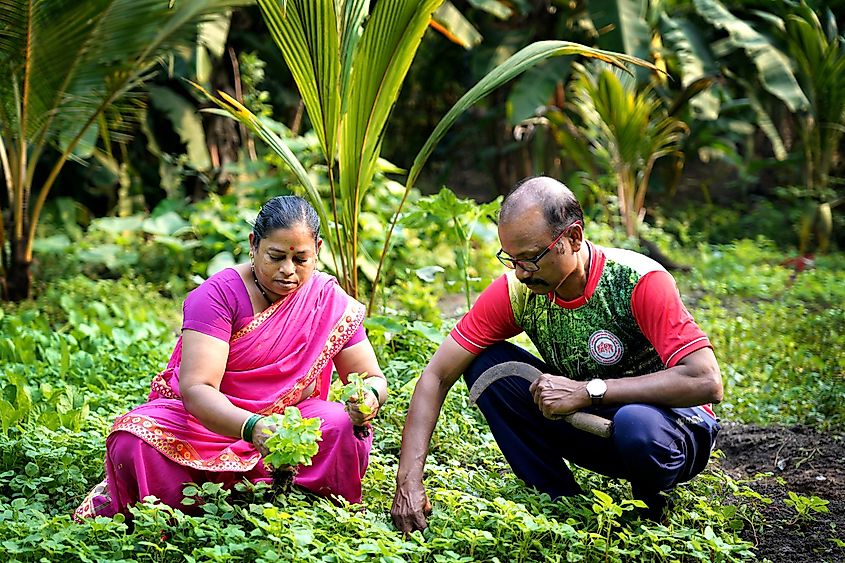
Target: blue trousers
654,448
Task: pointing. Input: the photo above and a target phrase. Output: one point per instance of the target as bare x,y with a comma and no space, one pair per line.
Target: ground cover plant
85,352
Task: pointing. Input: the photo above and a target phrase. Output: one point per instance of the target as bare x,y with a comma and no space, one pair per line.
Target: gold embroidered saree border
178,450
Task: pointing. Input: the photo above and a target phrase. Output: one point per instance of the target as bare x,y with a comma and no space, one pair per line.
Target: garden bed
801,459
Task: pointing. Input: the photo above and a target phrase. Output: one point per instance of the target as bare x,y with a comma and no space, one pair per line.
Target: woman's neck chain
260,287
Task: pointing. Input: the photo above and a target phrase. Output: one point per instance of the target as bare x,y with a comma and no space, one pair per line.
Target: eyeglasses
530,264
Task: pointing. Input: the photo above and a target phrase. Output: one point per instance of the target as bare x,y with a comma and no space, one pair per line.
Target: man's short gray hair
559,205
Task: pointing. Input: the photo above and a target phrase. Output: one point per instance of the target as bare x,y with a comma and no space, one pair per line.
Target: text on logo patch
605,347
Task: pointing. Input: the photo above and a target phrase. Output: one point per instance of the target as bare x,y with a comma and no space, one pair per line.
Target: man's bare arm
695,380
410,505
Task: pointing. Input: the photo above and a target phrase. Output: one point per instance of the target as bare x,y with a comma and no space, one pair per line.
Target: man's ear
576,237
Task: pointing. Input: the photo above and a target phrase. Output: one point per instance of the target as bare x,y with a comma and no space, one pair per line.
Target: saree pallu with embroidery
272,360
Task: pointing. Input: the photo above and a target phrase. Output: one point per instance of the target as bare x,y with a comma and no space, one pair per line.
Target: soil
804,460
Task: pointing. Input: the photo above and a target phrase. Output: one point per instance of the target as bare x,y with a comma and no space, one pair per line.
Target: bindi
291,248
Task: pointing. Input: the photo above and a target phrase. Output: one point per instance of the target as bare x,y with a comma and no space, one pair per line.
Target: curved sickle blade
497,372
587,422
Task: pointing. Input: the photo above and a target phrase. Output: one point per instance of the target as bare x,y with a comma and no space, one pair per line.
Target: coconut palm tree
65,64
628,130
349,64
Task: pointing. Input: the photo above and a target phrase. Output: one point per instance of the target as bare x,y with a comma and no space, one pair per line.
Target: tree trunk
225,136
18,280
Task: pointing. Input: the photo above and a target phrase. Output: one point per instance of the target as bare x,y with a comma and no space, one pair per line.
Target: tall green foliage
349,66
68,63
819,54
628,130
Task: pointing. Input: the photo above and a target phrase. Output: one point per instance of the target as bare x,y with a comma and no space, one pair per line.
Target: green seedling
355,388
295,440
806,507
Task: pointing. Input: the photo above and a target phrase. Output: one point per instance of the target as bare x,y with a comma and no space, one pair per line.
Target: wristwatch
596,388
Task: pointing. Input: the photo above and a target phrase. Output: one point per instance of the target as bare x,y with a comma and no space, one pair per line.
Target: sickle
587,422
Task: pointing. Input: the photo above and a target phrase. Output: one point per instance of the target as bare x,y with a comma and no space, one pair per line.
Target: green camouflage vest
600,339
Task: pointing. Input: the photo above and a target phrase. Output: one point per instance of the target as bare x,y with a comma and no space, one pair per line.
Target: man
615,341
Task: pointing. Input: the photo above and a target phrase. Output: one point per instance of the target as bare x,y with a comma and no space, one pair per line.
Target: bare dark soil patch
800,459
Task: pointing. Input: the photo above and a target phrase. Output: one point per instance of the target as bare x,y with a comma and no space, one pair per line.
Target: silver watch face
596,388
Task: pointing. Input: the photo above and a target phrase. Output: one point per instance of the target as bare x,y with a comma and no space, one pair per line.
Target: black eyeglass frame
512,263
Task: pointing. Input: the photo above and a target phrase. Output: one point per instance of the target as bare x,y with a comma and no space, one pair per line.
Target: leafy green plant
806,507
355,388
295,440
69,63
627,130
608,513
455,216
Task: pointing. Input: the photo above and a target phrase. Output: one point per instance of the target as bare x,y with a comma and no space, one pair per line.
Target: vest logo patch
605,347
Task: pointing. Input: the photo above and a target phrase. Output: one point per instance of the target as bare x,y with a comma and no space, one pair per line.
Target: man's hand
556,395
410,507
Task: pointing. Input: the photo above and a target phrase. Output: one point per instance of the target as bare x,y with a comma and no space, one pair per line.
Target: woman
256,338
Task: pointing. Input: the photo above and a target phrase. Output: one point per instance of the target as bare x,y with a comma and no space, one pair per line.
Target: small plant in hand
295,440
356,388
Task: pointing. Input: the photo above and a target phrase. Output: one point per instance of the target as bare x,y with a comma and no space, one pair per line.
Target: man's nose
522,274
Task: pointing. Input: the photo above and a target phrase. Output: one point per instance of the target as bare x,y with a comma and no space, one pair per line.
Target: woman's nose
286,267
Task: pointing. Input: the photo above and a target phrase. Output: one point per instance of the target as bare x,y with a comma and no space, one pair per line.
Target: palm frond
307,34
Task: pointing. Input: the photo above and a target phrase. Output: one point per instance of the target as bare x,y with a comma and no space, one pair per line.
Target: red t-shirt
655,303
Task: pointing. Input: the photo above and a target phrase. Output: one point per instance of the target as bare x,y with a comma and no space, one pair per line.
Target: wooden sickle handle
591,423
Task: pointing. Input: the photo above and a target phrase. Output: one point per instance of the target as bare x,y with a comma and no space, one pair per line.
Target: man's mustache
535,282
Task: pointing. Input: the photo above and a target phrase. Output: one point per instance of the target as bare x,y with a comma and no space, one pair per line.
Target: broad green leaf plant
459,218
66,64
349,63
355,388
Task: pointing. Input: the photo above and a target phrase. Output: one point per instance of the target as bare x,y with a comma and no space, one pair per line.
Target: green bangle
249,426
375,392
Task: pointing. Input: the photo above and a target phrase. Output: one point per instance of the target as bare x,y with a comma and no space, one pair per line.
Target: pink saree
281,352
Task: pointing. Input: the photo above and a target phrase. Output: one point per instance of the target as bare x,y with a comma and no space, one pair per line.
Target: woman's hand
360,358
353,407
259,436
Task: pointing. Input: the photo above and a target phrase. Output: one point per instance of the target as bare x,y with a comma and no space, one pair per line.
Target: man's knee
653,448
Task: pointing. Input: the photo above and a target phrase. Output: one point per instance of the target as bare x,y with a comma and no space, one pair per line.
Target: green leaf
186,122
169,224
220,262
307,34
455,26
428,273
695,60
494,7
534,89
511,68
623,28
295,440
773,66
603,497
